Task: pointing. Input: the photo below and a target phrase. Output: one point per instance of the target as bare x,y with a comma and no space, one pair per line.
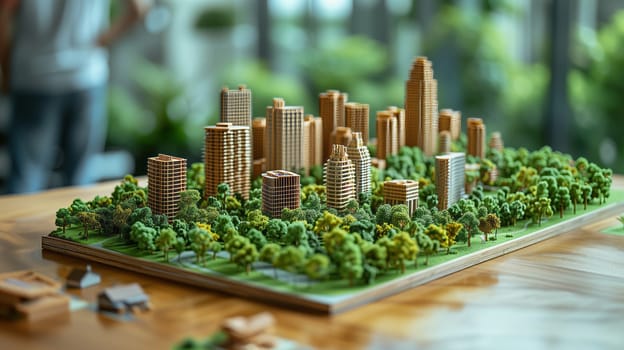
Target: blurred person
54,60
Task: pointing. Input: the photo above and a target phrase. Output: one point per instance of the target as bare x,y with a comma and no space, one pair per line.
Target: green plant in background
160,120
596,89
507,93
216,18
266,85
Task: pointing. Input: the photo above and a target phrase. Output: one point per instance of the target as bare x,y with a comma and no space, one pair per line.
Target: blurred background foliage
491,59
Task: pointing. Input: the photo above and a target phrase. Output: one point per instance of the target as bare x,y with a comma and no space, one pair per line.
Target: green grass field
294,284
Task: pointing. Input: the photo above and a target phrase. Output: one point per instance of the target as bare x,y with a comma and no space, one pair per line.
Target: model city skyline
286,142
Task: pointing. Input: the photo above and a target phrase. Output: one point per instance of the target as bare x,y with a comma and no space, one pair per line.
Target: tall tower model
387,135
421,106
236,106
280,189
284,137
312,141
359,155
166,178
399,114
227,158
257,132
476,137
402,192
450,178
339,178
450,120
356,118
331,111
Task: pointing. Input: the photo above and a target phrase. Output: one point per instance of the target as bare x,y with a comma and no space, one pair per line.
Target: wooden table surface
567,292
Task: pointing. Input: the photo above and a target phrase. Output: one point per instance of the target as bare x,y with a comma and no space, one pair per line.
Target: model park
309,206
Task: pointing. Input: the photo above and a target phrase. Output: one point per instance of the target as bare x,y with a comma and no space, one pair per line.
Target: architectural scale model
123,298
355,231
356,119
31,295
82,278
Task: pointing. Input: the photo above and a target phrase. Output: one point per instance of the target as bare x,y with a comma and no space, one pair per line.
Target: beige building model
399,114
166,178
283,140
227,158
356,118
444,142
360,157
450,120
339,178
341,136
258,128
402,192
312,142
280,189
387,135
450,178
332,112
236,106
421,107
476,137
496,141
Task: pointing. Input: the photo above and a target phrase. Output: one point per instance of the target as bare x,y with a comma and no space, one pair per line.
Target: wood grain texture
566,292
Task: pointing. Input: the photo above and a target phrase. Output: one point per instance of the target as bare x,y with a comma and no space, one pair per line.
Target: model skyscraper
356,118
402,192
280,189
339,178
387,134
284,137
450,120
312,141
331,111
476,137
399,114
450,178
236,106
359,155
227,158
421,106
166,178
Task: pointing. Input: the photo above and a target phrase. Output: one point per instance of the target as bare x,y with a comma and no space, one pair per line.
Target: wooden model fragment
31,295
166,178
123,298
82,278
249,332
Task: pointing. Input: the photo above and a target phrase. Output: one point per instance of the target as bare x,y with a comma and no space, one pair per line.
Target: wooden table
567,292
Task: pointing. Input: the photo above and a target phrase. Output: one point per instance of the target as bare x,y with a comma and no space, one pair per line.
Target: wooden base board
304,302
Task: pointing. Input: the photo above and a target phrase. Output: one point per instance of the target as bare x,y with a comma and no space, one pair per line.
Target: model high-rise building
450,178
280,189
496,141
402,192
312,142
356,118
331,111
227,158
476,137
284,137
258,128
444,142
236,106
399,114
387,135
360,157
341,136
450,120
421,106
166,178
339,178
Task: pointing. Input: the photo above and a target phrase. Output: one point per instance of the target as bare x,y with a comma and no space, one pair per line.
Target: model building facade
476,137
421,107
341,136
284,137
339,178
331,111
450,120
166,179
402,192
399,114
227,158
312,141
356,118
236,106
387,135
360,157
258,129
450,178
280,189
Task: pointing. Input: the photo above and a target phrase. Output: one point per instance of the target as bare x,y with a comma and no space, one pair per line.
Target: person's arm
7,12
134,11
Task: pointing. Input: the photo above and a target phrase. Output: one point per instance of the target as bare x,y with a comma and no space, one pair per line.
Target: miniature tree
165,241
471,224
179,247
89,221
144,236
187,208
426,245
289,259
257,238
404,248
493,223
365,228
517,209
200,240
576,194
587,192
120,218
384,214
275,230
437,233
562,200
317,267
621,219
350,262
326,223
63,218
296,234
245,255
544,209
452,230
215,247
376,255
400,216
